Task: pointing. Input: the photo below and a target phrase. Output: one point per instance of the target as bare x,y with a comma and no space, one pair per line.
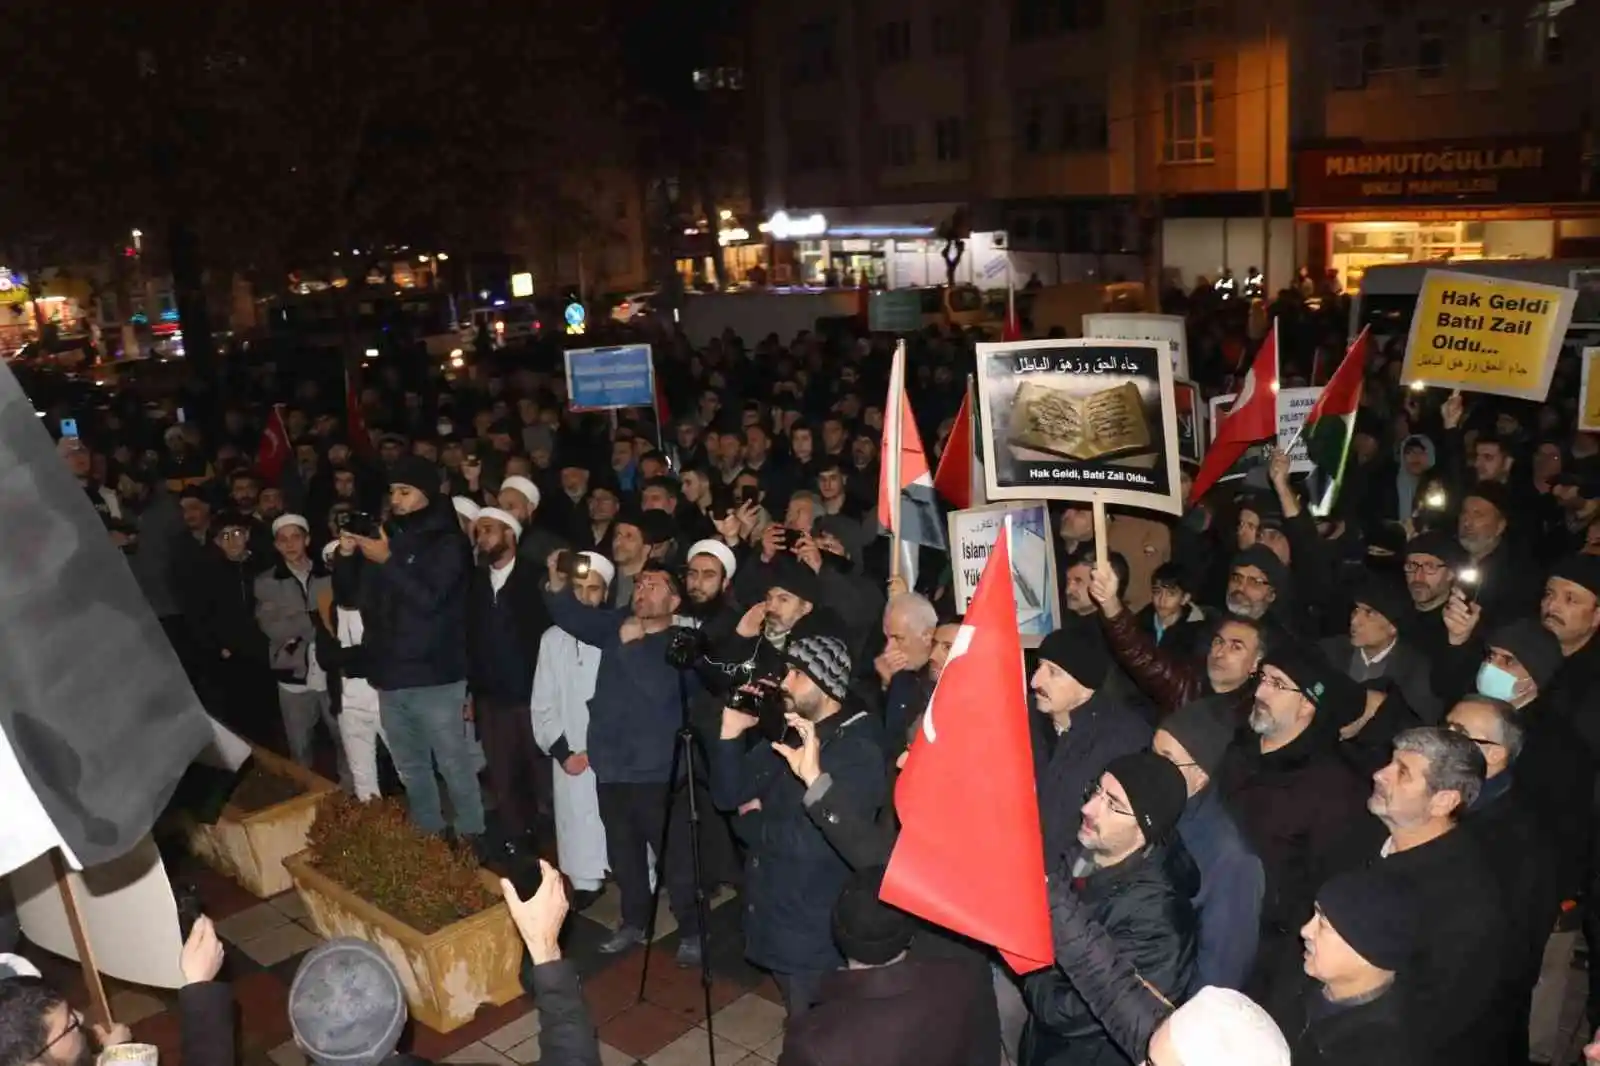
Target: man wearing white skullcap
562,685
1218,1027
466,512
506,618
708,574
520,497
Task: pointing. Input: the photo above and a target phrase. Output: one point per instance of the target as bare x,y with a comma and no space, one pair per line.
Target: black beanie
1156,791
1492,493
1441,546
1264,559
1387,598
1205,728
1581,570
1534,646
793,576
867,930
1081,653
1374,911
419,473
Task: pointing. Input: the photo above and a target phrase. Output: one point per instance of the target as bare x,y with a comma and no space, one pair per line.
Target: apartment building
1093,138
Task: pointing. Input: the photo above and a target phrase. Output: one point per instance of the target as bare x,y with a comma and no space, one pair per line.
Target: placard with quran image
1079,420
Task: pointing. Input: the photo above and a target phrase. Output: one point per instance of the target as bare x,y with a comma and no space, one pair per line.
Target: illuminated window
1188,114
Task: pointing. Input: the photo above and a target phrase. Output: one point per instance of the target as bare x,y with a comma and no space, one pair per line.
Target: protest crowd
1316,788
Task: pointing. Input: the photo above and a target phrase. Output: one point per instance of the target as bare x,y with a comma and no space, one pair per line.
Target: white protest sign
1294,407
1163,329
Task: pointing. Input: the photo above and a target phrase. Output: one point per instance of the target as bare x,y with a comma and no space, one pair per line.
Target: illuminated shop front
744,251
886,247
1440,201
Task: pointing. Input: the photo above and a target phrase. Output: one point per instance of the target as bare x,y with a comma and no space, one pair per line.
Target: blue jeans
423,726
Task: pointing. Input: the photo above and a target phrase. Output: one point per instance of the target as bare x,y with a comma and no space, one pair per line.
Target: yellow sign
1589,407
1485,334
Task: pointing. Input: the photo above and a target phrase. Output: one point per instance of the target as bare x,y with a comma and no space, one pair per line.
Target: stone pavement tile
768,989
692,1049
285,942
515,1032
680,991
221,896
580,943
644,1029
477,1053
287,1054
772,1051
251,923
290,905
434,1046
750,1021
614,988
526,1052
263,1010
610,1056
132,1005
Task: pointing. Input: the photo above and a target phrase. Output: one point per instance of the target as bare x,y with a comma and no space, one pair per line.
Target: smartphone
357,524
1469,581
526,875
749,495
69,427
187,897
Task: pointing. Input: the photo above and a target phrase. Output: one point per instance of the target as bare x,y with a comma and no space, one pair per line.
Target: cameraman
794,875
634,717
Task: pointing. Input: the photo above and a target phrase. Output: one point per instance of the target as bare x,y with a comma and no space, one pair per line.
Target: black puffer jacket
415,605
1141,906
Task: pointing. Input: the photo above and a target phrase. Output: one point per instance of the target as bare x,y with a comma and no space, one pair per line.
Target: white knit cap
717,550
518,483
289,520
1222,1027
466,508
504,517
600,565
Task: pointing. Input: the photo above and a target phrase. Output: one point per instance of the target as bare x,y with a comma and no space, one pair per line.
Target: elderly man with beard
794,874
1456,981
520,497
1172,679
1432,561
1299,803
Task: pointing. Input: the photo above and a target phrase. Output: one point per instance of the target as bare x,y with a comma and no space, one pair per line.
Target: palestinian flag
914,517
1331,424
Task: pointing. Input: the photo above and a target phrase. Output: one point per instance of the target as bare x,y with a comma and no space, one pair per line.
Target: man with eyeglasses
1300,804
1119,876
1457,980
1432,560
1517,847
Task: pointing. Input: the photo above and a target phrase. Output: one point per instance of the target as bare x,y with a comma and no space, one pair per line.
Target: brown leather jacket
1170,680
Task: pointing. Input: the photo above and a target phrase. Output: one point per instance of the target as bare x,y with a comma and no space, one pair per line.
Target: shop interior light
783,227
372,353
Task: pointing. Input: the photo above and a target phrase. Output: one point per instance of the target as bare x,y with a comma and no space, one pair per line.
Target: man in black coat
793,874
506,619
886,1006
1455,982
413,601
220,611
1136,886
1091,727
1362,933
1516,845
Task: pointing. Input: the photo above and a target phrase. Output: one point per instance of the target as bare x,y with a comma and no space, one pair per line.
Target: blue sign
602,378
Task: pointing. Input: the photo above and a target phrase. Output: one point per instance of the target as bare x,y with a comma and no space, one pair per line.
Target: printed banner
1294,407
601,379
895,311
1163,329
1079,420
1484,334
973,535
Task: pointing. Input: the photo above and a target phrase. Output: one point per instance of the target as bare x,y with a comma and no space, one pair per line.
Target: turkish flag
1252,418
355,421
953,479
970,855
273,451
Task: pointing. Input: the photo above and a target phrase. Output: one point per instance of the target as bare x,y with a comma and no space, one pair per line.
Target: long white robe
563,681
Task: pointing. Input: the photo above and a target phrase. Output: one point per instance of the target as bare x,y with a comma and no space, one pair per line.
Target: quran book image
1107,424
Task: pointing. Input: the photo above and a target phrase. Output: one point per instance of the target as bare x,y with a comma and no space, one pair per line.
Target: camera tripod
683,757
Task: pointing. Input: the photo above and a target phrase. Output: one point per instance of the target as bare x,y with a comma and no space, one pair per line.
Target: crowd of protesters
1312,786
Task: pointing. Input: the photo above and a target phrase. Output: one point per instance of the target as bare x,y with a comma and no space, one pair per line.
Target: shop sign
783,227
1483,171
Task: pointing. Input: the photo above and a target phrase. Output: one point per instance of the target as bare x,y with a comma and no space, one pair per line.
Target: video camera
764,699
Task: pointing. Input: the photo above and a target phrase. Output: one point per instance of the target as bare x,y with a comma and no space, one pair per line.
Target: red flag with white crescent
970,855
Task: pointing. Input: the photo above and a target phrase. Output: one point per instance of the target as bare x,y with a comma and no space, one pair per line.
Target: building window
1079,15
899,144
1033,20
1030,20
813,52
1082,126
1431,48
1030,124
1177,16
1544,33
1359,55
893,41
949,32
947,140
815,147
1485,49
1188,114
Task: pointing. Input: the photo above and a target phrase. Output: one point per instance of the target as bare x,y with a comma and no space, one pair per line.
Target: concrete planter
447,975
250,846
